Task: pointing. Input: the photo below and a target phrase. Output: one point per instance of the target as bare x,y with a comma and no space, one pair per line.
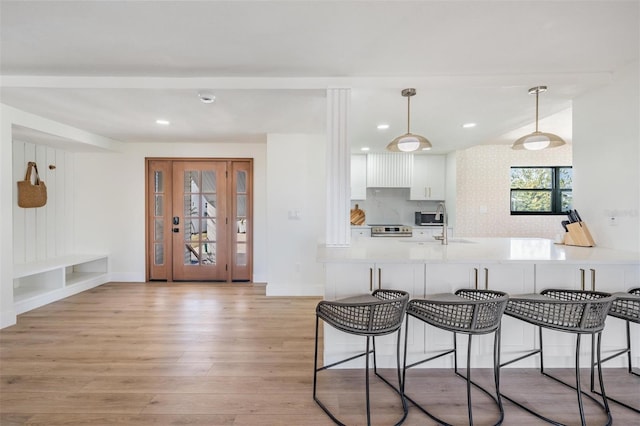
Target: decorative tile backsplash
482,189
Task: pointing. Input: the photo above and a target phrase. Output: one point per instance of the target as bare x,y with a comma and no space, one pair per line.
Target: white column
338,168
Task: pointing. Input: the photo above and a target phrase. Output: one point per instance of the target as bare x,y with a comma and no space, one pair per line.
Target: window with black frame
541,190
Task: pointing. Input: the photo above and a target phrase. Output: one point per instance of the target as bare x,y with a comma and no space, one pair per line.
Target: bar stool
467,311
626,306
570,311
378,314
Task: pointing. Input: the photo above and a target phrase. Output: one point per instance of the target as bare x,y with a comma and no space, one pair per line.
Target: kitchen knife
577,215
564,225
570,214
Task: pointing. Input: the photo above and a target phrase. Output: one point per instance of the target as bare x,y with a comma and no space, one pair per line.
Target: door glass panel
191,255
242,206
241,253
208,181
159,204
159,229
191,181
241,181
158,256
209,205
192,205
158,181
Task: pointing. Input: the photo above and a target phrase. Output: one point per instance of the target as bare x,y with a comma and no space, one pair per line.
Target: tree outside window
541,190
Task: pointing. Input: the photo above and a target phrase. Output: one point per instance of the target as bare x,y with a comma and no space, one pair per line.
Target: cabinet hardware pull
486,278
582,279
475,272
425,192
593,279
379,278
370,279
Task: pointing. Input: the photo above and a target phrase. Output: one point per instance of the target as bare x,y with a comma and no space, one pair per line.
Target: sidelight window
541,190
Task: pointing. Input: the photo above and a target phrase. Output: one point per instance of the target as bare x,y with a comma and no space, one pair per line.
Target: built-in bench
37,283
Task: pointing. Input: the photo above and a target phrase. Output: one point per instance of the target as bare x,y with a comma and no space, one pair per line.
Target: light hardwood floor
222,354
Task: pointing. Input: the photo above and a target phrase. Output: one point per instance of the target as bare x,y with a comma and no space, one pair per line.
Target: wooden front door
199,220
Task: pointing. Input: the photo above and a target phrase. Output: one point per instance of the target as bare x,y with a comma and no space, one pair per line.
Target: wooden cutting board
357,216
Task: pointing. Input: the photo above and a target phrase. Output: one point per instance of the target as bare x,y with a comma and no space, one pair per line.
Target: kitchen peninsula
512,265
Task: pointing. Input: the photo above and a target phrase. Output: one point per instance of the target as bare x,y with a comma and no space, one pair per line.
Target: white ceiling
114,67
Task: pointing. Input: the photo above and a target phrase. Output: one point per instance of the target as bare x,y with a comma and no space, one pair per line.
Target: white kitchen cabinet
512,278
609,278
360,232
350,279
359,177
389,170
428,178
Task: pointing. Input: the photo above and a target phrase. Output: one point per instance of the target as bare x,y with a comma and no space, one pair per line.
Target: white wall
295,183
483,200
45,232
110,211
9,117
607,160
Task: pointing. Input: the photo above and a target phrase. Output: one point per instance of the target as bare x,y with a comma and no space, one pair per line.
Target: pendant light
538,140
409,142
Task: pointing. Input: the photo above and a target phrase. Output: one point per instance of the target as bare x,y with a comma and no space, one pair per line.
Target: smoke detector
207,97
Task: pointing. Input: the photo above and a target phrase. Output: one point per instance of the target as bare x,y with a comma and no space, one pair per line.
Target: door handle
379,278
486,278
176,220
593,279
475,272
370,279
582,279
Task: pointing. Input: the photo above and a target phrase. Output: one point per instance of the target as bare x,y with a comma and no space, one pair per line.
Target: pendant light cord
409,114
537,93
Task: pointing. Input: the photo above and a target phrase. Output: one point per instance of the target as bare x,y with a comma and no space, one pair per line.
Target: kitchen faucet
442,210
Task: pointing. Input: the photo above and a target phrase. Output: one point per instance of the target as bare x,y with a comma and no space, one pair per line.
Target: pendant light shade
538,140
409,142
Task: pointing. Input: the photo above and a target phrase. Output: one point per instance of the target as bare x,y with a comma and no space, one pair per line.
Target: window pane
566,201
565,177
531,201
531,178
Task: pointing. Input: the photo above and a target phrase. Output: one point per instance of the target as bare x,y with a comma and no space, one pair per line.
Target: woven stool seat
467,311
573,311
626,307
368,315
577,312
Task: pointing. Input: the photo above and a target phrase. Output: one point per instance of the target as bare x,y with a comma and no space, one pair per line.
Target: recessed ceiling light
364,148
427,148
383,126
468,125
163,122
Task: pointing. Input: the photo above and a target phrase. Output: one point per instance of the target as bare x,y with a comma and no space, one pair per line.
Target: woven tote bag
32,194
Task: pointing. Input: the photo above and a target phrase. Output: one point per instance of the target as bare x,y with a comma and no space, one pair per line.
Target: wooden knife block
578,235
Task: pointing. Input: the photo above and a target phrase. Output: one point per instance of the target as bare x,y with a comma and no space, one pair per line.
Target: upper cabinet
427,180
389,170
359,177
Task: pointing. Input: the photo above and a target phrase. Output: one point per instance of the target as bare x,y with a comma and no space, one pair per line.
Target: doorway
199,219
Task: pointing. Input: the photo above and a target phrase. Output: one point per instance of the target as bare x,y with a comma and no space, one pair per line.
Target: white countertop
486,250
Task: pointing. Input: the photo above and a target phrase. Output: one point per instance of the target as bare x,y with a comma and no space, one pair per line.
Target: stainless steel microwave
429,218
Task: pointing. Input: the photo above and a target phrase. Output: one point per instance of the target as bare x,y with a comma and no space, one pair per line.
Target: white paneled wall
44,232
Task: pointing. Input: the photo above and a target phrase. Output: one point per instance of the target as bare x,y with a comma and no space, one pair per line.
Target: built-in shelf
38,283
